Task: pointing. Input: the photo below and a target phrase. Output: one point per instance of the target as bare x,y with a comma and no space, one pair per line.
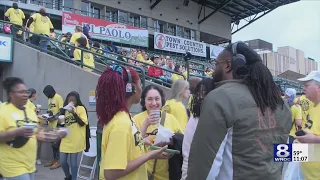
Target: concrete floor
44,173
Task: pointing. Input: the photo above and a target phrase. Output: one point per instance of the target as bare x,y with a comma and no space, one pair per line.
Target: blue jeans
22,177
40,40
65,165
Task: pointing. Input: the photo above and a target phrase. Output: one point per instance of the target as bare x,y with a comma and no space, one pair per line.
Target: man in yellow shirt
16,16
311,170
42,26
87,59
78,34
55,103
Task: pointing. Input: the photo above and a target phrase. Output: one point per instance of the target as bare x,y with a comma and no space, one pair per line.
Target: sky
296,25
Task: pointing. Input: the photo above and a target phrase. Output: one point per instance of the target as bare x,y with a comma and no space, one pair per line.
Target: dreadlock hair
145,92
111,93
201,91
258,78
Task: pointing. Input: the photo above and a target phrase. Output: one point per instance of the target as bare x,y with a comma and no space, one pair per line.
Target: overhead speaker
185,2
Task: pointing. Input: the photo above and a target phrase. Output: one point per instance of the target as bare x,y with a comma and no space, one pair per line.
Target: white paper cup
61,119
29,125
39,106
156,112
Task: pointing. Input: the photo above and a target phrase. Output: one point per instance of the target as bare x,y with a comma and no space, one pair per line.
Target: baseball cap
313,75
290,92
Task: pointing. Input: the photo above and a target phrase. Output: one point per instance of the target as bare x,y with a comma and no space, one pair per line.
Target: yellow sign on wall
92,98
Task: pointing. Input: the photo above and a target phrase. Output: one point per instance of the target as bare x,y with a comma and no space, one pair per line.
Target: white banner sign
180,45
215,51
6,48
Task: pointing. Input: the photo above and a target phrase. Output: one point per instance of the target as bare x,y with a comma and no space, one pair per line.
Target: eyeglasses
22,92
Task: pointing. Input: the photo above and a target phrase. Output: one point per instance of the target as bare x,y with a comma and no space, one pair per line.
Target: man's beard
217,76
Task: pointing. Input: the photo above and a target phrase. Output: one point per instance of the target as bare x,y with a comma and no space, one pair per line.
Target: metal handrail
54,42
67,58
61,7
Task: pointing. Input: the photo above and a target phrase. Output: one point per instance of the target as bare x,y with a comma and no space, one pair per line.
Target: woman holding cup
18,144
75,119
152,100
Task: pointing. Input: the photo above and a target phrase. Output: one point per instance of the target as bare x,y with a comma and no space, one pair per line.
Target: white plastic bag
163,135
293,172
69,107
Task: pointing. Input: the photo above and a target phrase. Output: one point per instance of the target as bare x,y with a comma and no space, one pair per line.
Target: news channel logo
282,152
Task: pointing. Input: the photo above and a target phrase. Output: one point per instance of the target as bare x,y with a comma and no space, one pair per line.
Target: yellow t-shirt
122,143
17,161
76,36
162,167
185,74
140,57
296,114
87,59
42,24
178,110
54,105
311,170
76,139
306,105
16,16
31,105
175,77
189,102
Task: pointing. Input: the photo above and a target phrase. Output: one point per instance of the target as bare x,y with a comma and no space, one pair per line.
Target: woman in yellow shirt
147,121
76,120
180,91
18,144
30,103
87,59
177,69
122,149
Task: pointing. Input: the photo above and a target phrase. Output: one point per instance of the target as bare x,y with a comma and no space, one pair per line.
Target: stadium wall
218,24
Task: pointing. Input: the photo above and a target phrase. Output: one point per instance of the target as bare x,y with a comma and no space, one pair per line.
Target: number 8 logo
282,151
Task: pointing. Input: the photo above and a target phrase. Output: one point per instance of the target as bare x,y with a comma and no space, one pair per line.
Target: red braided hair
111,93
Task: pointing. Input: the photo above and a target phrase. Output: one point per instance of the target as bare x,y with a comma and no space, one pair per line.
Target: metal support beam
254,6
155,4
259,2
200,11
253,20
243,11
216,10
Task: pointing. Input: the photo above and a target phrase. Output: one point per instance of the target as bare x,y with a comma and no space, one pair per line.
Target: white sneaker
38,161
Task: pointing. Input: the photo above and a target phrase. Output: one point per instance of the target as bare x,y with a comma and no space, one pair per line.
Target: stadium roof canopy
248,10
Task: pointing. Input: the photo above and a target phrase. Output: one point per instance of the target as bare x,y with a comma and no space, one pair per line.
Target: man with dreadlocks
240,121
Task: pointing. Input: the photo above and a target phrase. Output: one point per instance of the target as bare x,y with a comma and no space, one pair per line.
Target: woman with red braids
122,149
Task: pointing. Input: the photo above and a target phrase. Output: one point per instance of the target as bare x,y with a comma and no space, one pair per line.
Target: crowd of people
40,27
227,131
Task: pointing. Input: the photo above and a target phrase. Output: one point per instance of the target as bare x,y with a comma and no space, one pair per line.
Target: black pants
56,150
